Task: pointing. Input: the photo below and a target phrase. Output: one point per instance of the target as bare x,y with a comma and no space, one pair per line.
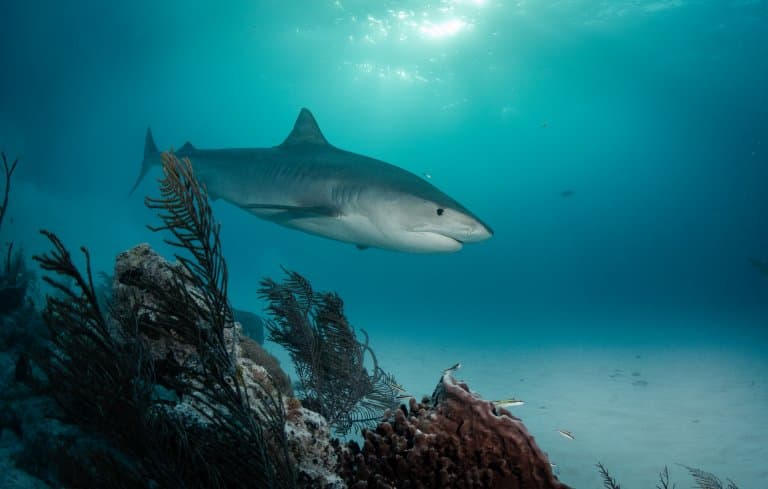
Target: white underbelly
352,228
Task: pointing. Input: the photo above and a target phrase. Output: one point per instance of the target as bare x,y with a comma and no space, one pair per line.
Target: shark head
376,204
424,220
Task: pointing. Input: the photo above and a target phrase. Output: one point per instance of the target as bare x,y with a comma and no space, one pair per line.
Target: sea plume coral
608,481
160,374
707,480
14,275
8,169
329,359
703,479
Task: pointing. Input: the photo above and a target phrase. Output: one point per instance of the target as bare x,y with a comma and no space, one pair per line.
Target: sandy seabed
633,408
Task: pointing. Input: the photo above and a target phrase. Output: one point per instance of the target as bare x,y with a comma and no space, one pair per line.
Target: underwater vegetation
155,375
14,276
703,480
329,359
143,378
8,169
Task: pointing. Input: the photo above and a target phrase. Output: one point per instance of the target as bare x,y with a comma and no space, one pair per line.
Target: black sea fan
105,374
608,481
329,359
707,480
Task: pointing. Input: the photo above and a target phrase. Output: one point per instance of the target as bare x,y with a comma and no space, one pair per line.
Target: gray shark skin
305,183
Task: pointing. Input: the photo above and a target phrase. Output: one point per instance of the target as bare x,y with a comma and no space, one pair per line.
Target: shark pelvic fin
305,131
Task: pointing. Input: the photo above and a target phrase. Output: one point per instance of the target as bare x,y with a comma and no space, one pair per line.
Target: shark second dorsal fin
186,148
305,131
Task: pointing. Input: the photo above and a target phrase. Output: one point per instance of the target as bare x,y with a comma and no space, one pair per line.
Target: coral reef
328,357
159,377
252,324
311,446
256,353
452,440
307,434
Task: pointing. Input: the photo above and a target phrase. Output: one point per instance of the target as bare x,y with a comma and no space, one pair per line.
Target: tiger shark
307,184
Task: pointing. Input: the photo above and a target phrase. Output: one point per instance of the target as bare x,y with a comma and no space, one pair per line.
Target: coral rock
455,440
310,444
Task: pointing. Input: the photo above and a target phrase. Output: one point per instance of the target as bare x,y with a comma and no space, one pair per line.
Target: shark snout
478,232
470,231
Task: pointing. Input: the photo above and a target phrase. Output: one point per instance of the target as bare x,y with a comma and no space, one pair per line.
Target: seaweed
97,374
608,481
14,275
199,315
703,480
9,169
664,480
15,279
103,372
707,480
329,359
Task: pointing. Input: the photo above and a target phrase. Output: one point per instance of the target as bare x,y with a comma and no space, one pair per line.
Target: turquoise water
618,149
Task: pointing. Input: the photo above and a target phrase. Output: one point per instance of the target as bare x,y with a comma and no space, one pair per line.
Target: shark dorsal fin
186,148
305,131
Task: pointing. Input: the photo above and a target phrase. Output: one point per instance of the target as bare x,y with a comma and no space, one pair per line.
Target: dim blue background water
653,113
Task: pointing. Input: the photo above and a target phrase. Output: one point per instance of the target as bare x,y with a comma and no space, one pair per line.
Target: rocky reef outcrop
307,433
455,439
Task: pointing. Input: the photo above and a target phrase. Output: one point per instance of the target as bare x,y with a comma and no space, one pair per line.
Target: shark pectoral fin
362,247
284,212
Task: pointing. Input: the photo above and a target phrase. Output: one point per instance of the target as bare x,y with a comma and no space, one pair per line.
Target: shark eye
440,211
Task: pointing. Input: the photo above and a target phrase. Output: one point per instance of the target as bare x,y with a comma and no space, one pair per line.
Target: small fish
395,386
428,176
452,368
505,403
567,434
403,396
544,125
566,193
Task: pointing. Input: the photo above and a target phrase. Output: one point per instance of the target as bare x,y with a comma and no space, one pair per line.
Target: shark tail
151,158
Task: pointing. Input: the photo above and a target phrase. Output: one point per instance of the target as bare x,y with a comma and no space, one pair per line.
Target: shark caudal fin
151,158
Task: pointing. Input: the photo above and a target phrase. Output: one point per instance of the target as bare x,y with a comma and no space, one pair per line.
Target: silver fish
452,368
567,434
505,403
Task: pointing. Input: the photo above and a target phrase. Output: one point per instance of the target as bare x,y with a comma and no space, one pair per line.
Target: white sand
703,406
